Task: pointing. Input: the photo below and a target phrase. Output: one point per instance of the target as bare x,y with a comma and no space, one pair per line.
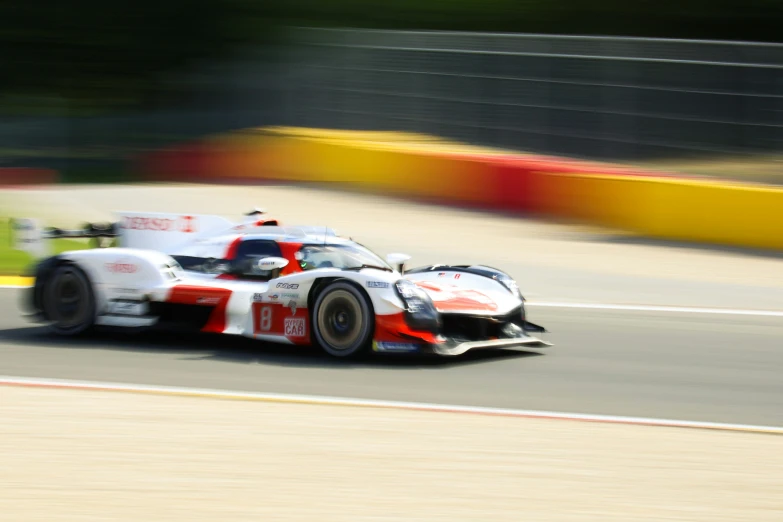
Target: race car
298,285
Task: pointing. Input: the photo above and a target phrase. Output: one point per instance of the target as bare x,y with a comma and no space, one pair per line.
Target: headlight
420,312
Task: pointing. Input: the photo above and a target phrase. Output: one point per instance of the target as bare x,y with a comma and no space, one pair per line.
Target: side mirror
271,263
398,260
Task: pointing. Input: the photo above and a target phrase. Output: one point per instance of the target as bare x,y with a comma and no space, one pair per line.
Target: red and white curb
366,403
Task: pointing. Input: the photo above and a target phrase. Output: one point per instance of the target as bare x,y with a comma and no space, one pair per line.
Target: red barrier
28,176
519,183
187,162
526,185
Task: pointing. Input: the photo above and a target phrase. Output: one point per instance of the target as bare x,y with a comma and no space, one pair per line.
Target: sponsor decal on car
185,224
395,347
289,286
126,307
258,297
273,297
289,296
267,264
208,300
377,284
121,268
292,306
295,327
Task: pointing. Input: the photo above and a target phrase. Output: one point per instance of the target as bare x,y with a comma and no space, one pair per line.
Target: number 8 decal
262,318
266,318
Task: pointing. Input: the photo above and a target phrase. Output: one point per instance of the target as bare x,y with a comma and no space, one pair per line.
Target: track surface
675,366
715,368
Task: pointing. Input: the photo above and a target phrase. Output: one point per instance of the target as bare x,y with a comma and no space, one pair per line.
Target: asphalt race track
676,365
683,366
640,329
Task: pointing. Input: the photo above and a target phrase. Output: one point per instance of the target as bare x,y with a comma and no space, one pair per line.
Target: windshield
344,257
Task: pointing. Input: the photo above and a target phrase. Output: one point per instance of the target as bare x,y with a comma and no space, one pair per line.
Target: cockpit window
250,251
244,263
311,257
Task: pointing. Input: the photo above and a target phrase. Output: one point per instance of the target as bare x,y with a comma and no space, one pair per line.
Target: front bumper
454,347
516,339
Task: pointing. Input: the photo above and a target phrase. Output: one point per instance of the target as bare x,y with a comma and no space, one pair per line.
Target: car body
258,279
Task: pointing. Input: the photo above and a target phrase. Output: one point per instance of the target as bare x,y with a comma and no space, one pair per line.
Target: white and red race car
294,285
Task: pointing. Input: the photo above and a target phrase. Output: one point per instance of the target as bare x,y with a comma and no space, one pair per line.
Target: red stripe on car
393,328
204,296
231,251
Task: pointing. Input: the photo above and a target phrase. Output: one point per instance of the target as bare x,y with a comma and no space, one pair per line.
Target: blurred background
663,119
87,86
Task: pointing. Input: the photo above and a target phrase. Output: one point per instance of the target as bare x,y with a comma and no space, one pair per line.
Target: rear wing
167,232
162,232
29,236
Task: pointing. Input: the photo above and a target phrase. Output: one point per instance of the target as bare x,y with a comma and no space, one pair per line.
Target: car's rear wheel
69,301
343,320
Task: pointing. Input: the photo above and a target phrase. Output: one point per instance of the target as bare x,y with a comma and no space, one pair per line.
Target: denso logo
121,268
184,224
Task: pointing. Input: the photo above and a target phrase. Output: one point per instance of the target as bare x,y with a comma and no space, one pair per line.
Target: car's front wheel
343,320
69,301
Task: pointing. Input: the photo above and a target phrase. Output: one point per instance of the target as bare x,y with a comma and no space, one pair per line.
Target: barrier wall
27,176
652,204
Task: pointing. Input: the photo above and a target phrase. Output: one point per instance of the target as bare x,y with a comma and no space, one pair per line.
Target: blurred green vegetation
86,56
15,262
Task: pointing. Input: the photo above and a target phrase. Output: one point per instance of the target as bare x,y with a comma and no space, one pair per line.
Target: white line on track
659,308
619,307
341,401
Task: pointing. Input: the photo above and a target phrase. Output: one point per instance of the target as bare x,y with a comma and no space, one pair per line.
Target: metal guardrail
600,97
596,97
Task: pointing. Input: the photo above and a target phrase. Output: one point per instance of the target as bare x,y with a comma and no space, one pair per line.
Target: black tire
343,320
69,301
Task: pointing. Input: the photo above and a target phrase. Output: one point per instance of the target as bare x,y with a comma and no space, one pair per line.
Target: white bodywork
125,280
128,280
460,292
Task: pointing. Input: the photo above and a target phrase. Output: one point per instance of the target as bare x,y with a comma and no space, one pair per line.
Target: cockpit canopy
342,256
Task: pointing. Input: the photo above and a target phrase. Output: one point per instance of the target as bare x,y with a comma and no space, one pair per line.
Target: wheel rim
70,305
340,320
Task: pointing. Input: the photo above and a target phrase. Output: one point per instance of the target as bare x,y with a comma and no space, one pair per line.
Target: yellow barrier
727,214
422,166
